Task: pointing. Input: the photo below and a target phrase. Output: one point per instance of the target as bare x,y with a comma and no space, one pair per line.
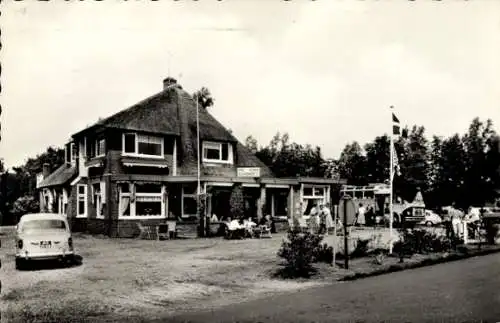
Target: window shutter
225,151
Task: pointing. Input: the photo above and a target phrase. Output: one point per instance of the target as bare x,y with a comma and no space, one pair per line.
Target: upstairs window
217,152
100,147
142,145
74,151
68,153
71,152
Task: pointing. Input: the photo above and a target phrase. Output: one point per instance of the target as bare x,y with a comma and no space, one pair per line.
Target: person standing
361,221
328,218
322,219
314,220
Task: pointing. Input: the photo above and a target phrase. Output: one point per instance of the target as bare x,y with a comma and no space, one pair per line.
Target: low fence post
466,233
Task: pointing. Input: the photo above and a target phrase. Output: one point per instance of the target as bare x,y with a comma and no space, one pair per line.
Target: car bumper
44,256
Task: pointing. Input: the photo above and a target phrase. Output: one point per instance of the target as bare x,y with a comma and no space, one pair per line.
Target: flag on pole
395,125
395,162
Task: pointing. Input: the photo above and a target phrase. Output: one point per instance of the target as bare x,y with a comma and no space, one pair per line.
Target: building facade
141,165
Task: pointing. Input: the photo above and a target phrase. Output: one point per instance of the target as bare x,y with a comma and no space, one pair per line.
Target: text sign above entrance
248,172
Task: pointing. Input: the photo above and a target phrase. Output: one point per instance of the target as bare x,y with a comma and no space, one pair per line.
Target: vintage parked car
431,219
43,236
409,214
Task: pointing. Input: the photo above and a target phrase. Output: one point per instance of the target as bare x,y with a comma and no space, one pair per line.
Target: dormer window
74,152
142,145
71,152
217,152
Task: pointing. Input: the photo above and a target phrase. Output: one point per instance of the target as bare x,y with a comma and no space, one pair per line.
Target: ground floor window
60,203
97,199
313,196
82,200
141,200
276,202
124,201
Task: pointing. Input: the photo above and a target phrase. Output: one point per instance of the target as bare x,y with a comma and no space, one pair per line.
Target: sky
326,72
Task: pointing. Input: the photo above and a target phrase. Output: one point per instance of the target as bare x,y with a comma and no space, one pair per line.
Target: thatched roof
60,176
173,112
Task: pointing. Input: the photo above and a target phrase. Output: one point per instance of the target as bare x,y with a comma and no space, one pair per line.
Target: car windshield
43,225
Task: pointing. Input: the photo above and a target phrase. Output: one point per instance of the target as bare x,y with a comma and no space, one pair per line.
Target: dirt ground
149,279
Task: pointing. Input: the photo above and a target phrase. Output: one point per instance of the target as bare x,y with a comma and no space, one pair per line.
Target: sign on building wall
248,172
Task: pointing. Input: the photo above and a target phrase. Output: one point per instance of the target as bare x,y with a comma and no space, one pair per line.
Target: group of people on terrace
241,228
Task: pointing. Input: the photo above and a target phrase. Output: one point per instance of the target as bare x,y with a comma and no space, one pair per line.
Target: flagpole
198,143
391,176
198,165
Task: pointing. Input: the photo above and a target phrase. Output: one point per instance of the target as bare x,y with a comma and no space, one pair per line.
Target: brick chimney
169,82
45,170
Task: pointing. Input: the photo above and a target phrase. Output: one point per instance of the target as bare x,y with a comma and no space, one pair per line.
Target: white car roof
42,216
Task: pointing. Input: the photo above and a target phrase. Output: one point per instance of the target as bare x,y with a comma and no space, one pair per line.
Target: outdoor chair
162,231
264,230
145,231
172,229
235,234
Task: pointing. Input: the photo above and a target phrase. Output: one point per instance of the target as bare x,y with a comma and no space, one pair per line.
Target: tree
436,171
22,182
352,165
415,166
377,159
493,163
204,98
480,174
26,174
452,171
290,159
331,168
251,144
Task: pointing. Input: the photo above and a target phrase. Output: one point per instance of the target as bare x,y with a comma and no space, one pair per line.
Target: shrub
361,249
419,241
299,250
324,253
25,204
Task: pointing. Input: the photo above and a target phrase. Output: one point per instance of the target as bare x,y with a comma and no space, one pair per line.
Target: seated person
266,221
233,224
249,225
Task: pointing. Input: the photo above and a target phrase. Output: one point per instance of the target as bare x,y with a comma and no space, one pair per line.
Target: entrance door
251,196
220,203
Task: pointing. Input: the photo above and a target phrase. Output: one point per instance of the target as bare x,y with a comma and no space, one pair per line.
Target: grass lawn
140,278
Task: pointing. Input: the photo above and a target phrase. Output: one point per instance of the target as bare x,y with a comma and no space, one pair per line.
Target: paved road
462,291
